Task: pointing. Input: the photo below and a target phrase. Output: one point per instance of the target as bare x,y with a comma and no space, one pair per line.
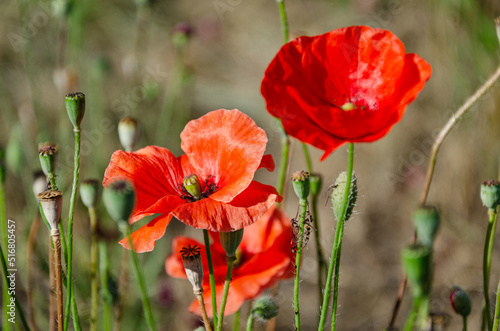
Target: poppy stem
307,156
211,275
488,250
227,283
285,148
496,320
464,321
236,323
199,296
250,321
93,268
284,20
122,289
106,295
298,258
56,238
336,250
29,257
140,280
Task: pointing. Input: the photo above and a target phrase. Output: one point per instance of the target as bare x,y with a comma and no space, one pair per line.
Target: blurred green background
132,58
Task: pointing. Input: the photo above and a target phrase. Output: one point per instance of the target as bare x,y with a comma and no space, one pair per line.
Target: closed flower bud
490,193
417,261
230,241
128,132
90,190
265,308
47,153
119,199
316,182
51,202
192,185
301,184
75,106
3,172
426,220
338,193
191,258
460,301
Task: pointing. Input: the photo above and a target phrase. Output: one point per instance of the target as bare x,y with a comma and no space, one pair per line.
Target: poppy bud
192,184
3,174
460,301
230,242
191,258
265,308
181,33
51,202
316,182
426,221
39,183
301,184
417,261
119,199
128,133
490,193
47,153
338,193
90,190
75,106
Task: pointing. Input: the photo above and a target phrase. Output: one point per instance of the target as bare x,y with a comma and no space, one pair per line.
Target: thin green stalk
211,276
122,289
4,244
298,257
93,269
250,322
284,20
140,282
19,309
285,150
412,317
70,301
488,250
464,320
319,250
496,320
106,295
236,322
74,312
227,283
337,244
307,156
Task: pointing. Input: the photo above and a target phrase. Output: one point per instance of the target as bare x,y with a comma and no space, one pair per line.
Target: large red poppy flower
348,85
223,149
264,257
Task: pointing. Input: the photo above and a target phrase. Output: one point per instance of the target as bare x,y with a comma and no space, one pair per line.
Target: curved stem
93,269
227,283
103,271
69,261
250,322
211,275
449,125
496,320
199,296
335,249
488,250
298,257
140,282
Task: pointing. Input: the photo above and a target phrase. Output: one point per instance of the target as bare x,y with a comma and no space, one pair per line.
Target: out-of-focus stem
206,321
59,286
106,295
93,268
211,276
227,283
298,258
283,167
29,268
496,319
236,323
122,289
488,250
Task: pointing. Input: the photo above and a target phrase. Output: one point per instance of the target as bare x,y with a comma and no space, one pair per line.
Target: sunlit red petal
228,145
154,172
145,237
267,162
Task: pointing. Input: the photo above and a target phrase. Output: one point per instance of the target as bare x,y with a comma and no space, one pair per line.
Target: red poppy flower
223,149
348,85
264,257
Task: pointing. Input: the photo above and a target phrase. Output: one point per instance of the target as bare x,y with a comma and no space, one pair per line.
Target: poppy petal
267,162
225,144
154,171
243,210
145,237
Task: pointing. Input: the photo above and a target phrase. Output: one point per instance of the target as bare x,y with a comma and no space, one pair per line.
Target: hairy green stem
56,239
298,258
140,281
319,250
284,20
250,322
336,247
488,250
93,269
227,283
211,276
203,309
106,295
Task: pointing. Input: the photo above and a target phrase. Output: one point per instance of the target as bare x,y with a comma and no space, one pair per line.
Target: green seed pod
301,184
230,241
90,190
426,220
265,308
47,153
192,185
316,181
128,133
417,261
119,199
75,106
191,259
338,193
460,301
3,170
490,193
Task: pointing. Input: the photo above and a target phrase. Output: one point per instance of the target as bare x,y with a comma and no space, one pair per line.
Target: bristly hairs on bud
265,308
338,192
301,184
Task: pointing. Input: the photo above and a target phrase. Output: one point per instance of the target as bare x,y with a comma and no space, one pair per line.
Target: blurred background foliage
135,58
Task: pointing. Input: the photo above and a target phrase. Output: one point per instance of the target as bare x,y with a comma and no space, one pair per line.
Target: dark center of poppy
192,190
